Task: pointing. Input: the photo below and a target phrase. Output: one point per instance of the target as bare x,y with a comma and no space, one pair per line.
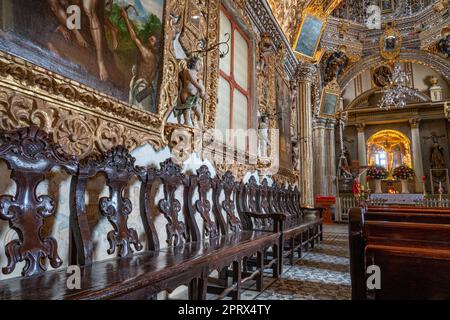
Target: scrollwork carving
118,165
169,206
203,205
30,155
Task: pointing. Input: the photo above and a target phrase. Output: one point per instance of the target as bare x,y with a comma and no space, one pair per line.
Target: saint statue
263,136
437,159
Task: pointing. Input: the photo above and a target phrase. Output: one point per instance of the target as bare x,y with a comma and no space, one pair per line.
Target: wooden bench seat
193,249
141,276
301,228
411,249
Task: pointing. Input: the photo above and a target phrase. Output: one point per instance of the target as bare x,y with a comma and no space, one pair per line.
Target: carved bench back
119,168
172,178
296,202
289,196
30,156
264,200
275,198
203,184
229,187
248,202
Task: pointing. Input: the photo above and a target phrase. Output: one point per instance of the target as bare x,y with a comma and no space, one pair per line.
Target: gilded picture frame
57,102
387,6
115,47
390,43
309,35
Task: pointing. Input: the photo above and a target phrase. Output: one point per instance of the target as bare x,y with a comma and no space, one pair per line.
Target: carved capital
414,122
305,72
360,127
319,123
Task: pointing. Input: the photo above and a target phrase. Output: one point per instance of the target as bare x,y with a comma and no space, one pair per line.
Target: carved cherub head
194,63
266,41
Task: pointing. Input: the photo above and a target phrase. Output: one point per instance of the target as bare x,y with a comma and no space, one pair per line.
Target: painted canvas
116,49
329,104
387,6
309,36
283,111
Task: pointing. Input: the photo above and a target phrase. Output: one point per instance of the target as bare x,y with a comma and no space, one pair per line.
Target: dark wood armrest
319,209
274,216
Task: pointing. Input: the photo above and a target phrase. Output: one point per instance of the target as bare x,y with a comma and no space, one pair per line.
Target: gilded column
330,143
417,153
320,157
362,152
304,75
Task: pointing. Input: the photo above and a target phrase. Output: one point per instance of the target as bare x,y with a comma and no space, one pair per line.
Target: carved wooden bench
193,249
411,250
298,230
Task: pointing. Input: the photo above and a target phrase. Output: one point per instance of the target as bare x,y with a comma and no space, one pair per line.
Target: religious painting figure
115,49
192,91
59,8
381,76
390,43
90,8
142,90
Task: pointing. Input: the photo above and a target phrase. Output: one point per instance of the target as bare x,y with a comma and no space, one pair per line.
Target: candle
424,178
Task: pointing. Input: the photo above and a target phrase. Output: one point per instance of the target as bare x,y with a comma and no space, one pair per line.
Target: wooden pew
412,250
302,227
135,272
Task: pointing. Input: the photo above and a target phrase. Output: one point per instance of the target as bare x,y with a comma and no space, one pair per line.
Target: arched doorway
388,149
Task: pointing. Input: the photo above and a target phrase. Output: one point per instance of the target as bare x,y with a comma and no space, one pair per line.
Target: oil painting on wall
309,36
329,104
116,50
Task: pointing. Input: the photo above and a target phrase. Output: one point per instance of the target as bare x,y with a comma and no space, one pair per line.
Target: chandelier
396,92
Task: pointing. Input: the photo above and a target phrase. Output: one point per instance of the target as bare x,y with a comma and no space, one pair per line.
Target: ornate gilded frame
73,112
395,53
317,53
331,90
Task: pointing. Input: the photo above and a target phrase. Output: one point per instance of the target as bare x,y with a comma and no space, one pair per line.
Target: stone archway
435,62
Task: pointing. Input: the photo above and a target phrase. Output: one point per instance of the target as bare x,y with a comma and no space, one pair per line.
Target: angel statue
192,91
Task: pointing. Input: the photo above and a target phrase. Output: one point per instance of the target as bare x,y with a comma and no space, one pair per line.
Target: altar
399,198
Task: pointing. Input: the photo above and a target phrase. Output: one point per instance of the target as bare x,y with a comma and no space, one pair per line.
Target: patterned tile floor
322,274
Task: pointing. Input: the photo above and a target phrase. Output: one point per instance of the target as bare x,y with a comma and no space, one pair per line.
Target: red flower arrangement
377,173
403,172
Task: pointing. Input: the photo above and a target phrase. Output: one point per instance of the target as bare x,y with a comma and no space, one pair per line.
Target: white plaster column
362,152
304,76
320,157
330,143
417,153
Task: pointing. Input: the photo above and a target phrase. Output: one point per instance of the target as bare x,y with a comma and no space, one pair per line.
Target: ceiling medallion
390,43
